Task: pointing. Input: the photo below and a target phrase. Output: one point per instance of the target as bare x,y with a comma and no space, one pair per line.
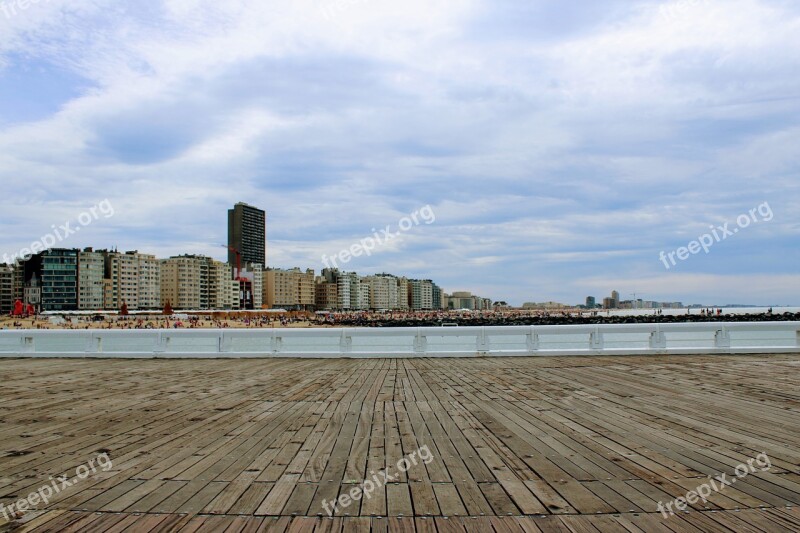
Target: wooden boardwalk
516,444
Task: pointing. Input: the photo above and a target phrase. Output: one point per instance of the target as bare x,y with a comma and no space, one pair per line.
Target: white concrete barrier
611,339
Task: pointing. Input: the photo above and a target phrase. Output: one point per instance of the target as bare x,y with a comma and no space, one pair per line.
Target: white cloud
573,155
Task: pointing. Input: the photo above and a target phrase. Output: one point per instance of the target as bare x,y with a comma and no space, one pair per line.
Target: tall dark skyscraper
247,233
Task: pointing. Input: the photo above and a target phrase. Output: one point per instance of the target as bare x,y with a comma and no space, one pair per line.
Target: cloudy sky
561,145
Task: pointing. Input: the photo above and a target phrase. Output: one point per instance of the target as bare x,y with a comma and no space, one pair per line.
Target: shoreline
376,320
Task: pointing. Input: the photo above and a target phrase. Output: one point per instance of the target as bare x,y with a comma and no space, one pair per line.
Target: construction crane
238,274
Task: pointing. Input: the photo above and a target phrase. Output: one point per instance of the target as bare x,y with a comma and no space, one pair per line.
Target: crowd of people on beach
194,321
295,319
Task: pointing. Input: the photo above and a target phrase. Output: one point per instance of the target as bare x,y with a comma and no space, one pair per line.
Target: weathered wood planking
517,444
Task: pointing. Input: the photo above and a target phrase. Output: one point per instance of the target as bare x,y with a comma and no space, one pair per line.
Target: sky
562,146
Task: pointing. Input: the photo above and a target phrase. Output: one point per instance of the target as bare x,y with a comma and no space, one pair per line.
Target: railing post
346,343
658,341
722,338
798,338
94,344
28,345
162,341
276,344
225,343
483,341
532,341
596,340
420,343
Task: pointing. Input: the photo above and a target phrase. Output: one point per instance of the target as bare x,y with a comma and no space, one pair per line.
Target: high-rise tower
247,234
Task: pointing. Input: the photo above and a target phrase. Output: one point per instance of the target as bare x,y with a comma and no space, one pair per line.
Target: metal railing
609,339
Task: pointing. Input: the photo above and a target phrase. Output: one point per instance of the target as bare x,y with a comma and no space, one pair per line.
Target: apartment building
383,291
149,281
19,282
134,279
421,291
363,296
247,234
185,282
466,300
403,294
437,297
326,295
91,280
6,289
289,289
223,290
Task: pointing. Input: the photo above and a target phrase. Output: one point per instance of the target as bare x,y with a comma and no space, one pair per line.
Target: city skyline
563,148
518,303
72,280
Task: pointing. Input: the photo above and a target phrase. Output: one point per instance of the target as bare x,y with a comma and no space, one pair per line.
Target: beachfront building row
96,280
107,280
347,291
89,280
201,282
613,302
73,280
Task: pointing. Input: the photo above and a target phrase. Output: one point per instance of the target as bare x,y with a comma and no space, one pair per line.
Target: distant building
182,278
59,279
198,282
91,280
32,295
348,289
326,295
19,282
437,297
132,279
363,296
421,291
357,301
223,292
544,305
590,302
291,289
403,294
378,288
467,300
383,291
247,233
612,302
6,289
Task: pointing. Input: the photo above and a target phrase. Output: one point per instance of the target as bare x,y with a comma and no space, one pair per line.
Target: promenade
581,444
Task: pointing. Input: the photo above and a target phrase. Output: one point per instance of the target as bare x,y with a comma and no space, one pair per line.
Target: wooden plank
248,443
